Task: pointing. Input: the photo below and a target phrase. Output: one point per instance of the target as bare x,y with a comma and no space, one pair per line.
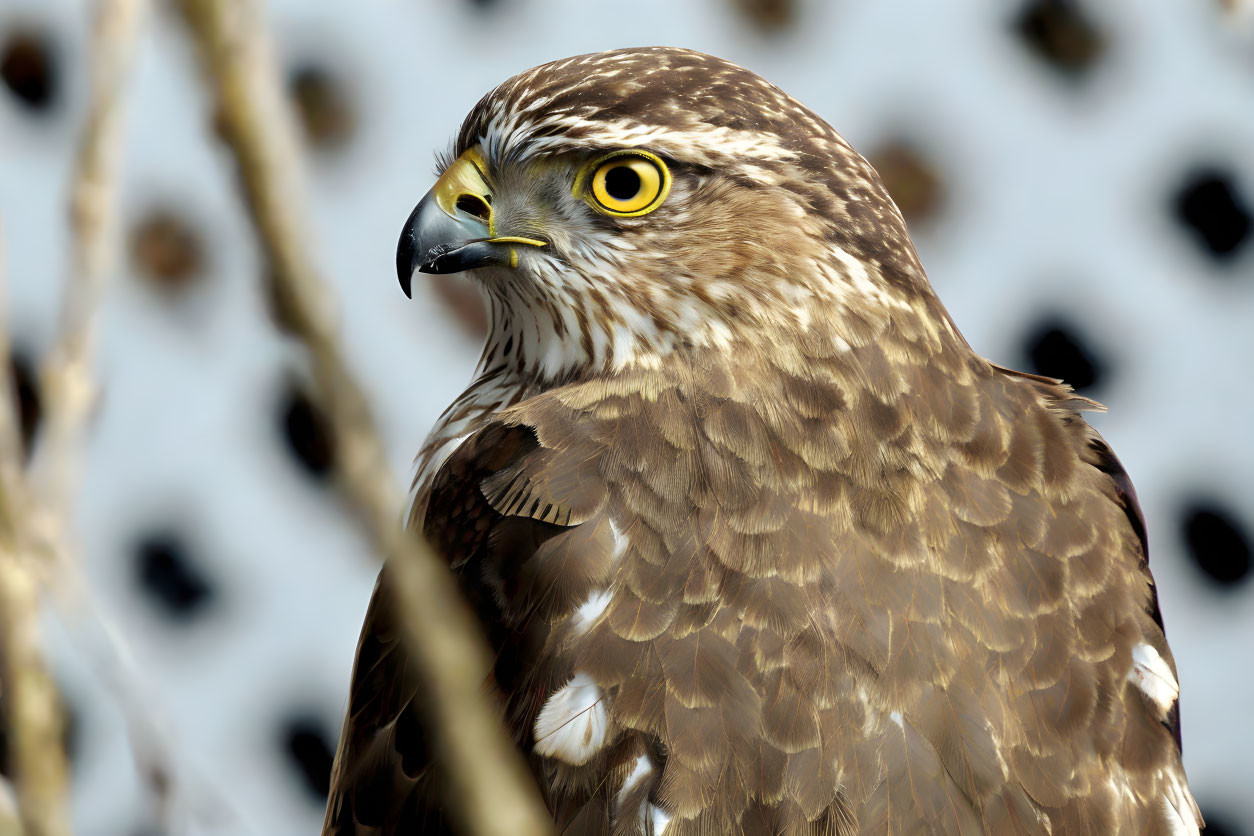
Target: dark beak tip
407,252
405,272
434,242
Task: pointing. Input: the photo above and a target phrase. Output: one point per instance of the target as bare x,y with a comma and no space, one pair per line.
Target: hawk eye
628,184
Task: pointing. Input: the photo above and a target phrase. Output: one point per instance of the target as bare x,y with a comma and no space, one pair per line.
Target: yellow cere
628,184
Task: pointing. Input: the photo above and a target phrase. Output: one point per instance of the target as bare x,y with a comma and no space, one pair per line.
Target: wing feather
812,601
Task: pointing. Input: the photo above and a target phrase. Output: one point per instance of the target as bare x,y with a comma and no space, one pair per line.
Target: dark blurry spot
166,250
71,731
1218,824
26,392
463,300
308,748
1210,207
306,432
1217,542
1059,33
911,182
1055,349
769,15
28,66
322,105
167,574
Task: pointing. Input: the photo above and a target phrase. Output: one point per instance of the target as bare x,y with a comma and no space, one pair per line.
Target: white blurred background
1079,177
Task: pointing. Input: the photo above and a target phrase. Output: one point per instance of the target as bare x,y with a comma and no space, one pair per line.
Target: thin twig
66,379
68,386
32,705
490,789
69,393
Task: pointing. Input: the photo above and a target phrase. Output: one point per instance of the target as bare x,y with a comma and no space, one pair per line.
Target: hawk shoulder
790,599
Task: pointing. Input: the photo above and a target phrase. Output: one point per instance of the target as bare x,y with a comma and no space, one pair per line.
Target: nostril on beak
473,204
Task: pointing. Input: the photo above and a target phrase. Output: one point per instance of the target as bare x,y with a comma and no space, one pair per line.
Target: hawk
761,544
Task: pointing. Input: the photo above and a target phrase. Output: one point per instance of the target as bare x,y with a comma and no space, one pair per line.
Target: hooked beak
453,228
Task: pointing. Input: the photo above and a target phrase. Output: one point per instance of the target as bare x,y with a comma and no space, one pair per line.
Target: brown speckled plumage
731,467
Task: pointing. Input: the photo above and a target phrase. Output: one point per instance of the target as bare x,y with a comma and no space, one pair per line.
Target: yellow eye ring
628,184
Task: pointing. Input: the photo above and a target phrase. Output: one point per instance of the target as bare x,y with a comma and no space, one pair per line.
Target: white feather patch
658,817
1181,811
590,610
1176,825
653,819
573,724
1153,676
620,541
641,769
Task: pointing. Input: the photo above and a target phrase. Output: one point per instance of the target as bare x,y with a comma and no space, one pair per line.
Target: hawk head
618,205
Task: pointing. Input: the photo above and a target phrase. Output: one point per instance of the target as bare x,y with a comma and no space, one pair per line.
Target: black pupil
622,182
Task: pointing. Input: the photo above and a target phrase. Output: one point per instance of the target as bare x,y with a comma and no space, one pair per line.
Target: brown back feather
898,603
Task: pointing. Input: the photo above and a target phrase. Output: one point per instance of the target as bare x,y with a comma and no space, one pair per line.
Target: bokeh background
1079,178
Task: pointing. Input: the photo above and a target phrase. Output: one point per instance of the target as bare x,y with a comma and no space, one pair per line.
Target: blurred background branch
491,791
32,716
70,392
68,388
34,545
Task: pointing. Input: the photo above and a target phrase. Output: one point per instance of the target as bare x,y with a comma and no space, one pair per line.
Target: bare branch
491,791
67,386
69,395
33,714
32,706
